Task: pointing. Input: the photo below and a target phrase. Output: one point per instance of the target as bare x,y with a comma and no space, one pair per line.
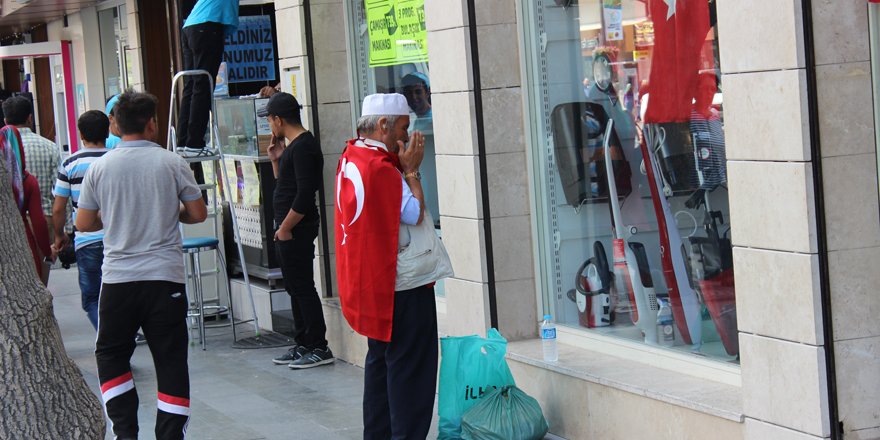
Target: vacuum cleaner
631,272
682,297
712,268
592,292
712,265
577,129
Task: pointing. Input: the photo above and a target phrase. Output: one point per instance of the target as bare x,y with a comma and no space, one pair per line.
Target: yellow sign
251,196
397,32
231,176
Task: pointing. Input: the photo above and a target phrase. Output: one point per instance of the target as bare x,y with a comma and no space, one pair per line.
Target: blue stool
192,247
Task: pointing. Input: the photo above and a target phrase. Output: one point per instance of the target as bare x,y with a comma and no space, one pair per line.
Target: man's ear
382,124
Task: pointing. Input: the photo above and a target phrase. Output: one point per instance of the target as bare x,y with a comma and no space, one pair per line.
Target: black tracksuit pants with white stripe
159,308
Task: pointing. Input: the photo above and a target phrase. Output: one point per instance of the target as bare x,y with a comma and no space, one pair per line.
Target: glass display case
244,138
241,132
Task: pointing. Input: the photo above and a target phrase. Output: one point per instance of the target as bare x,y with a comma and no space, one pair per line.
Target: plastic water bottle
665,324
548,339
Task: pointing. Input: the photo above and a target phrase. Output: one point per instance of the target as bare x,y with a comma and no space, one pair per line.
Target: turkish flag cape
675,63
368,197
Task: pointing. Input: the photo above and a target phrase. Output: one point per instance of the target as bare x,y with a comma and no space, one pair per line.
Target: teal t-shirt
224,12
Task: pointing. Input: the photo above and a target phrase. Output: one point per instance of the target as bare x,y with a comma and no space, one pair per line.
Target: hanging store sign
250,50
613,11
397,32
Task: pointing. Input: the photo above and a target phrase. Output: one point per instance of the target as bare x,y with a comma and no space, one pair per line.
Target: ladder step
201,158
204,272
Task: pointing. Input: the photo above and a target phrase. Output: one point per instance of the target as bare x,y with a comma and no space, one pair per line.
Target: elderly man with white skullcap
378,189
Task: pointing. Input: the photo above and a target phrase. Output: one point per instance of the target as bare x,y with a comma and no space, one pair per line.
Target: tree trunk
42,394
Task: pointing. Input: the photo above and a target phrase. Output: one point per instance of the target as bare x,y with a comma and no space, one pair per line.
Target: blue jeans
88,261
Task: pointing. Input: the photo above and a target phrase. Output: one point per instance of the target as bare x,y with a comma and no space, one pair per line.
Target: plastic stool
192,247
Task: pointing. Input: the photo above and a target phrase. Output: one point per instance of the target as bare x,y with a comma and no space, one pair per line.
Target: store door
155,28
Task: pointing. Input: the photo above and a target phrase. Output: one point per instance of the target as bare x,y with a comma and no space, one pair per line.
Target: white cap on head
385,104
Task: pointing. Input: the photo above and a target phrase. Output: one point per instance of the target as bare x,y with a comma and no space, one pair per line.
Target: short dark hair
285,106
292,120
133,111
17,109
94,126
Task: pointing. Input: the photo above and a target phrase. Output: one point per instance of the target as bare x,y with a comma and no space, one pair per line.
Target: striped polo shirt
70,177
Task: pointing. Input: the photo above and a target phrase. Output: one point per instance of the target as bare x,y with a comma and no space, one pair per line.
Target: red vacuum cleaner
712,267
593,290
682,297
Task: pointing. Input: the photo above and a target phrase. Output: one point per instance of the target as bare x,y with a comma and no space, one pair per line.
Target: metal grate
249,225
266,339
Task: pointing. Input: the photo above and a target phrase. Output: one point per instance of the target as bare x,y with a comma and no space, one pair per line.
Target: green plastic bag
504,414
470,366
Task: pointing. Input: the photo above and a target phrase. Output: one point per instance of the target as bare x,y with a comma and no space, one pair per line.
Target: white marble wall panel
851,205
495,12
508,185
757,35
858,383
455,130
327,27
840,29
758,430
450,68
332,77
765,115
517,308
503,125
578,410
445,14
846,125
459,186
512,245
463,240
499,56
336,123
291,41
778,295
772,206
855,305
784,384
467,305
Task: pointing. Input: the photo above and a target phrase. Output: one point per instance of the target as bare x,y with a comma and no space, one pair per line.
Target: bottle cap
548,317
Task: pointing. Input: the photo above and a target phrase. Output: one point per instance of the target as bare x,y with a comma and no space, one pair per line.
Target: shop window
390,55
631,179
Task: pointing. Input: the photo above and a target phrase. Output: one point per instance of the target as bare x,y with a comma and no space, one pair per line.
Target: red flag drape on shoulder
368,196
680,30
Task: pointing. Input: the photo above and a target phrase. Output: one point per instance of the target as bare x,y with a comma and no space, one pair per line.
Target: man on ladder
202,40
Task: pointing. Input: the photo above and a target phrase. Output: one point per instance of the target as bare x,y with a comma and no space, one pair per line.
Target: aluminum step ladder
215,157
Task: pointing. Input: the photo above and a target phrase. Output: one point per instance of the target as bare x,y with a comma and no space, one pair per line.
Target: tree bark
43,395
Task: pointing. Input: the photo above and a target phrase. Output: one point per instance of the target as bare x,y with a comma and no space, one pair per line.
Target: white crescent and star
351,172
670,8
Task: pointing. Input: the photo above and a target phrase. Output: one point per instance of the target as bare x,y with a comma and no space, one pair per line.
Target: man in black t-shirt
297,168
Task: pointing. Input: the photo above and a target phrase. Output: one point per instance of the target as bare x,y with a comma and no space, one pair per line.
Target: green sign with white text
397,32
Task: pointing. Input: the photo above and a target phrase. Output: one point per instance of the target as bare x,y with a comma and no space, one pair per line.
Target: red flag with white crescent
368,197
680,29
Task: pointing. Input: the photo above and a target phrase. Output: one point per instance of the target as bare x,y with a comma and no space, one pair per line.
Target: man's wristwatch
415,174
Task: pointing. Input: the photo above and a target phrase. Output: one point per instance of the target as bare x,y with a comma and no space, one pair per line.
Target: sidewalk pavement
235,394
